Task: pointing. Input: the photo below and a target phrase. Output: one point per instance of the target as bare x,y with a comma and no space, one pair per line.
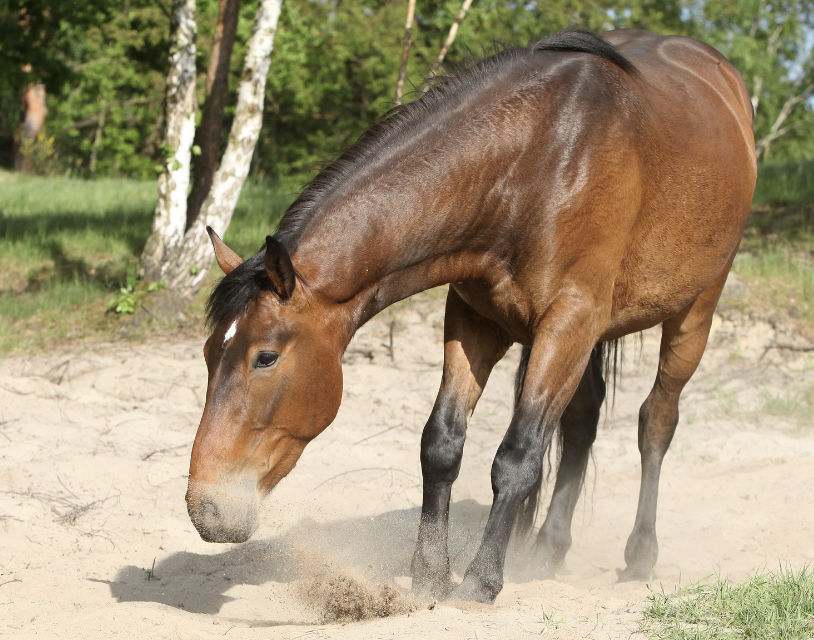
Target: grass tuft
774,606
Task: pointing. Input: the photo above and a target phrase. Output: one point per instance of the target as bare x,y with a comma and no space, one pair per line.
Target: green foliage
767,42
785,183
774,606
335,64
334,67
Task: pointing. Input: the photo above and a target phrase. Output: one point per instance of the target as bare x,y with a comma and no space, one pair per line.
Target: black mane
231,295
582,41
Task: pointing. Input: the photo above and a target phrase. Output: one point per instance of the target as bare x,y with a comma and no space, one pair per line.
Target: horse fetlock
431,574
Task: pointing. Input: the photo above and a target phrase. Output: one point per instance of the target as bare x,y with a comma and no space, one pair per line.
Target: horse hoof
635,573
470,591
432,590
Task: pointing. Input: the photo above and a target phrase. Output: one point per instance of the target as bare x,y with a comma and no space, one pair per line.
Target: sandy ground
95,541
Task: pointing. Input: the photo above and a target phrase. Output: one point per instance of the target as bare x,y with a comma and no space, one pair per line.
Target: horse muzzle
223,513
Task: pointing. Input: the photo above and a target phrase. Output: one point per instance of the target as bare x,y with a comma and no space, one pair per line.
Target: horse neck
402,232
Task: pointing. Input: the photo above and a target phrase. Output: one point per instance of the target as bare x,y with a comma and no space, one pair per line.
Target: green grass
774,606
777,252
67,246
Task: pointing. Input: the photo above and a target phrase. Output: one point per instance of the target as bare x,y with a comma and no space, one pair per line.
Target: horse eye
266,359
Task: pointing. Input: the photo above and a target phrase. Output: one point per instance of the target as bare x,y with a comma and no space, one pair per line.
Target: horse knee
517,467
442,444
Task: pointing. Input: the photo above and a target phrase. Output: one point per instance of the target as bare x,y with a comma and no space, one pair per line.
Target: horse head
275,383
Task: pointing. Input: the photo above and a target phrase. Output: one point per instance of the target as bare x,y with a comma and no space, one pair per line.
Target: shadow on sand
377,549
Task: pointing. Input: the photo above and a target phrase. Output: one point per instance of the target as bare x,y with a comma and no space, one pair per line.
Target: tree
405,51
185,266
169,222
767,42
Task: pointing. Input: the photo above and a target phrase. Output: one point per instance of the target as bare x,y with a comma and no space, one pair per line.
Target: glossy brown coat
571,194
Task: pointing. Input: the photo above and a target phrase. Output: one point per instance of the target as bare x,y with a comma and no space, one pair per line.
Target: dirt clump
340,596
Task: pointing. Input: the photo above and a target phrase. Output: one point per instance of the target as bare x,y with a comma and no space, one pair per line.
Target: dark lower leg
554,539
472,346
642,549
658,419
683,340
555,369
441,450
578,428
514,472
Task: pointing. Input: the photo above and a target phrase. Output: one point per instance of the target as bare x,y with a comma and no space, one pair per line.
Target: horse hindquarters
684,338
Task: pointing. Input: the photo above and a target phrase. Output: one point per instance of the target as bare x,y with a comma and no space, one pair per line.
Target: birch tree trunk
170,217
185,272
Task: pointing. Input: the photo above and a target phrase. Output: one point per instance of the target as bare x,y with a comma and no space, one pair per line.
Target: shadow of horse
377,549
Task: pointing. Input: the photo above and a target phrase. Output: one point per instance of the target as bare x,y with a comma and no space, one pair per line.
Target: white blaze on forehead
230,333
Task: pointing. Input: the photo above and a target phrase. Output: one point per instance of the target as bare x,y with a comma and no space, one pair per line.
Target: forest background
74,223
334,67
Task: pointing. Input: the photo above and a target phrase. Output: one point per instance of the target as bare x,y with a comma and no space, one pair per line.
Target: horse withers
572,192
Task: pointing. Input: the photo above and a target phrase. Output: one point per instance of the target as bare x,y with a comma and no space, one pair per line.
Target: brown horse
571,192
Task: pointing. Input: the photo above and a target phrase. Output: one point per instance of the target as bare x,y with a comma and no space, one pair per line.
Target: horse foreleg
559,355
472,346
578,428
683,340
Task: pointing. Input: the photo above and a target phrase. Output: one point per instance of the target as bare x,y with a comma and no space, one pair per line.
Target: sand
95,541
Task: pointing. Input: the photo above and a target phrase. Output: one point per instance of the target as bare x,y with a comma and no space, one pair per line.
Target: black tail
611,355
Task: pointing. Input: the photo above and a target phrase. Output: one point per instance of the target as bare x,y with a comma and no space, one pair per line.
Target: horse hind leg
578,426
684,338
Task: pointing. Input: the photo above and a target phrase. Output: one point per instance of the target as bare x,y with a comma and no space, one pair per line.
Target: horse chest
498,304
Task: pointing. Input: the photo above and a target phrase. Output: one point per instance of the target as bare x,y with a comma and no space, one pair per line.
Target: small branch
147,456
776,130
97,138
19,393
339,475
164,9
375,435
408,40
453,31
389,346
771,47
10,581
789,347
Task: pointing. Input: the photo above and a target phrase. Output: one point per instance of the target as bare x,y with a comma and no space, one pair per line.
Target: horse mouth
221,516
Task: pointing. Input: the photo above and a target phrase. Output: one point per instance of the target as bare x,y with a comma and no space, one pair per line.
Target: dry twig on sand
69,508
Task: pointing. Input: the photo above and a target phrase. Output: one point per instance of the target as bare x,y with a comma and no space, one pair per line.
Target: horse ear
227,259
279,268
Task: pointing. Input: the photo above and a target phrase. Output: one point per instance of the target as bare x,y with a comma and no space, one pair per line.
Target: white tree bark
185,272
170,217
